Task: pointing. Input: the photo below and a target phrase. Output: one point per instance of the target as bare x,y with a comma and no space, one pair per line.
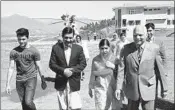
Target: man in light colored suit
141,60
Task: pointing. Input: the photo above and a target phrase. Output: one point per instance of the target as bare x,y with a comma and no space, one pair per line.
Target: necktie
139,54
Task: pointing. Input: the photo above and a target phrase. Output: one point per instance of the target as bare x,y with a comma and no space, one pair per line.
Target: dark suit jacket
58,64
141,76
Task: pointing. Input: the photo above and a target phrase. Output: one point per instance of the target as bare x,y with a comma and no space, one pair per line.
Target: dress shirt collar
150,39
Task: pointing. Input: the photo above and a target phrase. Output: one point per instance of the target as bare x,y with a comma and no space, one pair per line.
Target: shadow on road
161,104
164,104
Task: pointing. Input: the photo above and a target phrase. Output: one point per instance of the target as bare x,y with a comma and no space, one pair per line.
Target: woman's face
104,50
78,39
122,38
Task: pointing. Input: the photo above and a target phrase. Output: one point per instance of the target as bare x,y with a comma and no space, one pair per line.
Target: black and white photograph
87,55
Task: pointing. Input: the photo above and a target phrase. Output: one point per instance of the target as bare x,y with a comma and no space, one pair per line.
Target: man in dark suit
141,60
67,61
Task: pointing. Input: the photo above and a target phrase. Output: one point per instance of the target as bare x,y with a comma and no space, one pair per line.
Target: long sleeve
53,64
159,70
92,77
82,62
162,52
120,75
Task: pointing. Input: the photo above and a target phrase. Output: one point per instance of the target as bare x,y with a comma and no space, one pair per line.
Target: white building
128,16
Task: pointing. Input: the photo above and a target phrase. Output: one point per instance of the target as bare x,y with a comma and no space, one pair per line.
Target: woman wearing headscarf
102,80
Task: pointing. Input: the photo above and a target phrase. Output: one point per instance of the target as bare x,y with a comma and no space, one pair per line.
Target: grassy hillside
40,26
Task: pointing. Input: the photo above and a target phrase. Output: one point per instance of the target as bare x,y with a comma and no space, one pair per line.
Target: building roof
160,5
129,5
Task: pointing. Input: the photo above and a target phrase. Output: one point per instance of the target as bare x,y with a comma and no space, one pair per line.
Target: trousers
26,91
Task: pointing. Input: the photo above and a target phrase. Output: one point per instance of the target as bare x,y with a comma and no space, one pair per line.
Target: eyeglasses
140,35
68,37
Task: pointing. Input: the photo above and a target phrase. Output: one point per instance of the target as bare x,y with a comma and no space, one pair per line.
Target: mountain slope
36,26
12,23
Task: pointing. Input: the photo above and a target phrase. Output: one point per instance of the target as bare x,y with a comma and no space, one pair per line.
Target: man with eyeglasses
141,61
67,60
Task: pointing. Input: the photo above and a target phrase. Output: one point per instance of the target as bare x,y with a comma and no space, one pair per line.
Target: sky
96,10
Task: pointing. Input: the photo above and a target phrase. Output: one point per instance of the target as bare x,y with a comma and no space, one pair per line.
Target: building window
150,9
145,9
168,22
168,11
124,31
116,22
132,11
131,23
137,22
124,22
158,8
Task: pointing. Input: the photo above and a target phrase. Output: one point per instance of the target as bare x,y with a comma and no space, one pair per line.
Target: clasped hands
110,65
68,72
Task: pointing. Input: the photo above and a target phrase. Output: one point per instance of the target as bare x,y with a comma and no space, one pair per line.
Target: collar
141,47
150,39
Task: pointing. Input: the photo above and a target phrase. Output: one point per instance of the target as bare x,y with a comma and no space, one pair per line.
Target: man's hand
42,78
164,94
68,72
8,89
110,65
43,83
118,94
90,93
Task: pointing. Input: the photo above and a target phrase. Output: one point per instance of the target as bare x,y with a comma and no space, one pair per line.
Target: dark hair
148,25
68,30
122,34
104,42
22,32
78,36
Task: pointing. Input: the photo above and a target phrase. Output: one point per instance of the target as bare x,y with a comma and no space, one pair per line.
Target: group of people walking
121,69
